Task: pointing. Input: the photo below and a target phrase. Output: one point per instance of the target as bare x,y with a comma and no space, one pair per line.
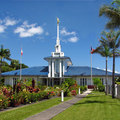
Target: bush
68,86
96,82
15,100
32,97
83,88
118,83
68,82
73,92
4,102
24,96
101,88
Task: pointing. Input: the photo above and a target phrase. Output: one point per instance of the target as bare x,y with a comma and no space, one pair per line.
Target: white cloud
73,39
10,22
68,36
6,22
117,72
26,30
66,33
109,70
2,28
97,67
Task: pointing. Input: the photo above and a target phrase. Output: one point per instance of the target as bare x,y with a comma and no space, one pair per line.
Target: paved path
51,112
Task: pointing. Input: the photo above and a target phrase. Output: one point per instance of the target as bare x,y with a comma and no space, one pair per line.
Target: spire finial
58,20
58,41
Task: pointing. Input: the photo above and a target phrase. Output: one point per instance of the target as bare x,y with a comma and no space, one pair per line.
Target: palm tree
104,51
15,64
114,44
113,13
4,54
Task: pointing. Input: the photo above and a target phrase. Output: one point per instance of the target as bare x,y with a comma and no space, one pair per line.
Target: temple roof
32,71
51,57
86,71
71,71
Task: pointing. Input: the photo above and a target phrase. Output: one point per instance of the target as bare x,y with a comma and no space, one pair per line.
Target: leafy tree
4,63
6,68
4,54
113,13
14,64
97,82
23,66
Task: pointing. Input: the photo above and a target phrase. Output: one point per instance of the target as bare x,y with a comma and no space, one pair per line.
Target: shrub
32,97
73,92
15,100
23,97
74,87
101,88
118,83
83,88
96,82
4,102
69,82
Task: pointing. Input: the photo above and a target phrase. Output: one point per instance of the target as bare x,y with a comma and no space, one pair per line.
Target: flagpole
91,68
20,66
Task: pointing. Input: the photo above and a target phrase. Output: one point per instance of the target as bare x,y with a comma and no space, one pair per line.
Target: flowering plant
4,101
73,92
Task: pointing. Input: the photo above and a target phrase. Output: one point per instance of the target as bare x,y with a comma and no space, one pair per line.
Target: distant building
59,67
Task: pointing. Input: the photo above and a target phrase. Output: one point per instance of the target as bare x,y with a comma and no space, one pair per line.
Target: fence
117,90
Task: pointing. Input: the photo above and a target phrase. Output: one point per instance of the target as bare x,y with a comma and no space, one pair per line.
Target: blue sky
31,24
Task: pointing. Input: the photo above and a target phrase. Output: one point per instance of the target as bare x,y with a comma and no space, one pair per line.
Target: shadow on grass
92,96
90,101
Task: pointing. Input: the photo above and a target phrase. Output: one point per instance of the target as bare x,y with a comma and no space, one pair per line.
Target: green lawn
26,111
95,106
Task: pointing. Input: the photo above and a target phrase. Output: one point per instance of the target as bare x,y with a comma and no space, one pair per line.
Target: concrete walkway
51,112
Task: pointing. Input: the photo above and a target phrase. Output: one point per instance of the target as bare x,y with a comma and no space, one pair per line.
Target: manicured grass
95,106
26,111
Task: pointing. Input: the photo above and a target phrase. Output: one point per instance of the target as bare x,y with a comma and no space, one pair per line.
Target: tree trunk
113,76
0,68
106,78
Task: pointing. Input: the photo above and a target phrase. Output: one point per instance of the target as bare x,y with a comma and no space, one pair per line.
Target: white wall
89,80
9,80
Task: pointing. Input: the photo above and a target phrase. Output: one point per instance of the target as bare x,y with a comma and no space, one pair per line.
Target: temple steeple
57,61
57,46
58,40
57,52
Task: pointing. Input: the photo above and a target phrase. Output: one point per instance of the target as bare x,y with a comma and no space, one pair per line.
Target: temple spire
57,46
57,41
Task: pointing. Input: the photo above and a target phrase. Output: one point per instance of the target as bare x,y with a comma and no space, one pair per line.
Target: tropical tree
14,64
4,54
104,50
113,13
114,44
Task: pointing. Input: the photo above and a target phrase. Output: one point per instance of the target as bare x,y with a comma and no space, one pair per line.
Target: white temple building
59,67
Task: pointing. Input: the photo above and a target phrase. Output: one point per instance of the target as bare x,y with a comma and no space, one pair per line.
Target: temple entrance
56,81
52,81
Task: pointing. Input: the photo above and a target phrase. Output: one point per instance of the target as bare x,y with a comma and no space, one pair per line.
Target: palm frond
113,14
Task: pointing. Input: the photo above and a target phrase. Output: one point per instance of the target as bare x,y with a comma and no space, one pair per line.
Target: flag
92,50
21,52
